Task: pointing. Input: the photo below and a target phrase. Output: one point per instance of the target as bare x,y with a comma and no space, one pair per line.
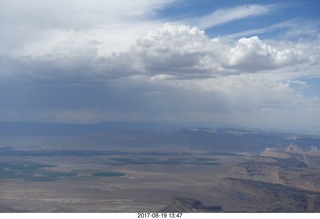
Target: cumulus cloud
252,54
170,52
184,52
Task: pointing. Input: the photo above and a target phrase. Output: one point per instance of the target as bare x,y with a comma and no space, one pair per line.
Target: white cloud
35,27
252,54
172,50
285,30
176,52
186,52
226,15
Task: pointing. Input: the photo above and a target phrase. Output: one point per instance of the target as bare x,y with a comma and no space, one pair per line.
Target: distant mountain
153,134
44,128
241,140
35,128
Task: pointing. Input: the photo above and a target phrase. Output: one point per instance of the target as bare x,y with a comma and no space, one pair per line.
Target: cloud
226,15
186,52
172,50
34,27
116,61
252,54
168,52
285,30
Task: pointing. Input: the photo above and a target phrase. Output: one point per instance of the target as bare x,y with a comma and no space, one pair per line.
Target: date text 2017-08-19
160,215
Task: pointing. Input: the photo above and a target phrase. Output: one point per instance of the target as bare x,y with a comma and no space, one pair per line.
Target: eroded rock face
268,183
274,183
189,205
270,197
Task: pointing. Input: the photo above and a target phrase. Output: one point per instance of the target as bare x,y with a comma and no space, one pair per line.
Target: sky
209,63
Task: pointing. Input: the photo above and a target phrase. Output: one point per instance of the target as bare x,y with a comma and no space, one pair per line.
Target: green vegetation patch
123,161
59,174
9,175
23,166
41,178
169,161
48,176
31,171
108,174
